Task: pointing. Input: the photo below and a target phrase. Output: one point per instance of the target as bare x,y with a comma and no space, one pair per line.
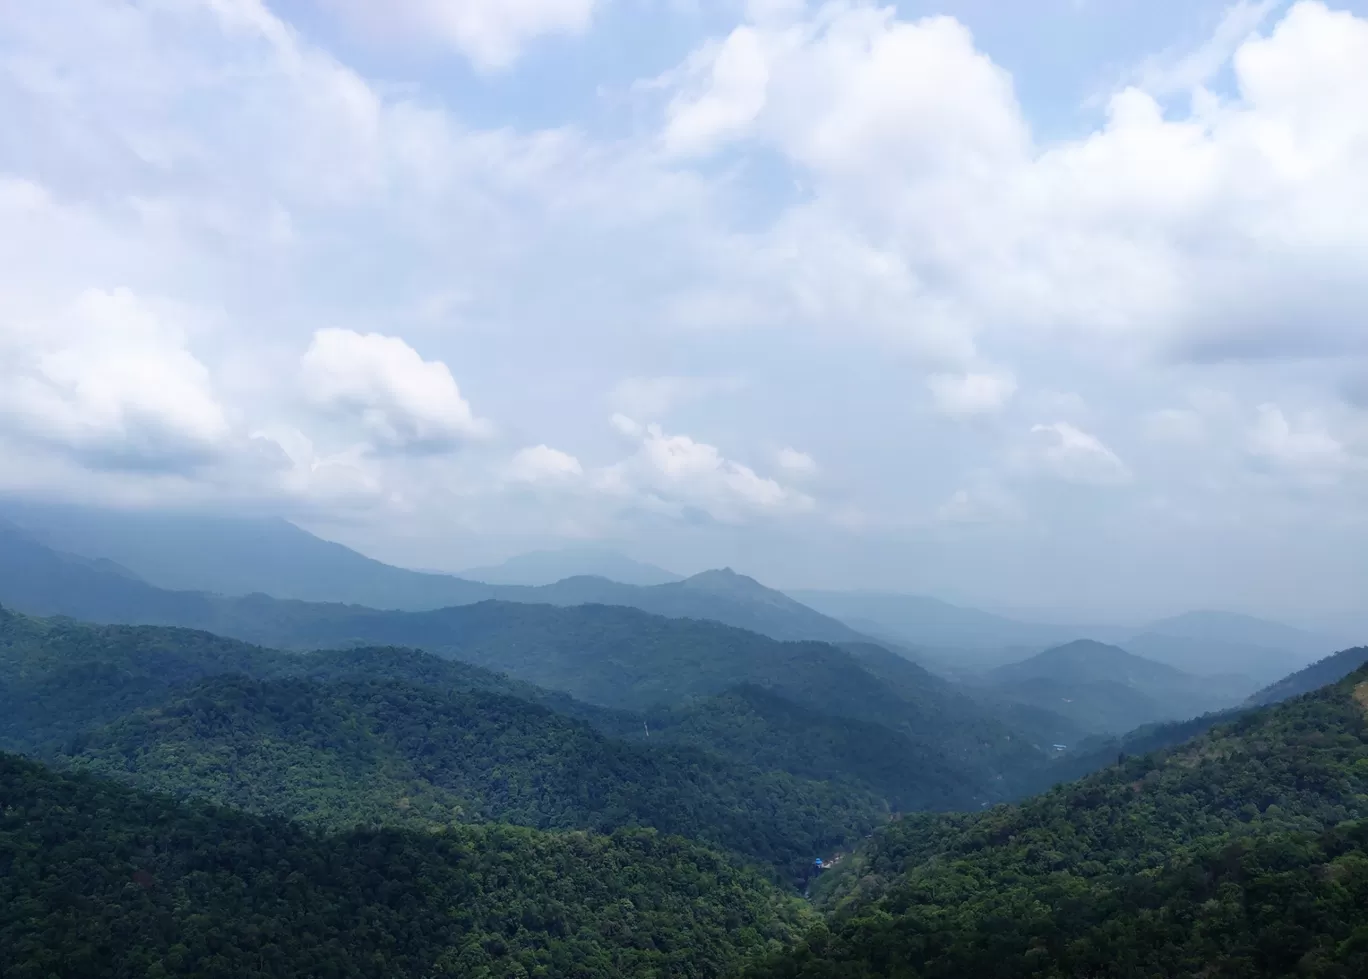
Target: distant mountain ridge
961,640
241,557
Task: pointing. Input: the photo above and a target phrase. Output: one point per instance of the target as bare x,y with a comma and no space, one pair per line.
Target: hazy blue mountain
1209,642
226,555
930,623
549,567
1332,669
1242,630
1103,688
1262,664
241,556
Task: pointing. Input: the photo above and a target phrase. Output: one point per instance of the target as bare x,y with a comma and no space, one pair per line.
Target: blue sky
1055,305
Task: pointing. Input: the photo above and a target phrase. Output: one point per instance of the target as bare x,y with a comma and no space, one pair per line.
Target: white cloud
491,33
799,463
1306,449
349,478
541,463
674,473
1175,72
401,400
735,76
626,426
1226,232
965,395
1075,456
111,380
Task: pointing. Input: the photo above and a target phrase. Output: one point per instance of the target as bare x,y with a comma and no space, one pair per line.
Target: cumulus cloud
673,473
1223,232
1075,456
112,381
491,33
734,75
401,400
541,463
964,395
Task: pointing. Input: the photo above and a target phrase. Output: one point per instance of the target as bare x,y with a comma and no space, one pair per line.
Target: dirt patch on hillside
1361,695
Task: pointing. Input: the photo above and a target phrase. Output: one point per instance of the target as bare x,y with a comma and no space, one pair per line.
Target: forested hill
612,656
1239,854
102,882
368,752
1315,676
399,736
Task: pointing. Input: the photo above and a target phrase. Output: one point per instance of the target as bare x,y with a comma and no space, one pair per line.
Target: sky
1057,305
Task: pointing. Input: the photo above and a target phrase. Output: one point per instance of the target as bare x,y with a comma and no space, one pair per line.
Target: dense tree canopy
389,752
102,881
1239,854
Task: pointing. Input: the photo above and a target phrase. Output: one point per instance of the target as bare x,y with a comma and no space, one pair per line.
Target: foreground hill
188,553
103,881
1239,854
1104,689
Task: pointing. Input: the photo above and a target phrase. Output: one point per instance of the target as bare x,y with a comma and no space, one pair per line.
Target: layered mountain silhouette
1104,688
237,558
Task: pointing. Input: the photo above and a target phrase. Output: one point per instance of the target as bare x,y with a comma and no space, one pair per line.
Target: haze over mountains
241,556
742,727
589,648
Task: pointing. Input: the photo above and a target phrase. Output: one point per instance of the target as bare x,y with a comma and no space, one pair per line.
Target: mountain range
236,557
1047,709
615,657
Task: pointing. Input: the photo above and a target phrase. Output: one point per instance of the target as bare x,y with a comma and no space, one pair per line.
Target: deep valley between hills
215,784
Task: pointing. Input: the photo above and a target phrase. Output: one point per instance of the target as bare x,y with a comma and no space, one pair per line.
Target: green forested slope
1239,854
389,752
1328,670
623,659
102,881
755,725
